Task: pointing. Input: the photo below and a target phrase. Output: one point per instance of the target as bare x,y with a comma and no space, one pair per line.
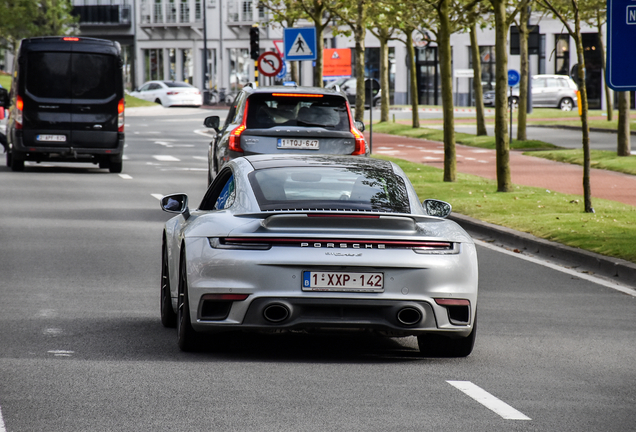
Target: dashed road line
489,401
158,196
2,427
125,176
166,158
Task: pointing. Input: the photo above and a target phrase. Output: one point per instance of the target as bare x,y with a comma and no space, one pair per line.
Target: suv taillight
120,115
19,107
235,136
361,143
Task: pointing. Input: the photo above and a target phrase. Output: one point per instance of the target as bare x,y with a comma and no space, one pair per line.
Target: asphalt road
82,347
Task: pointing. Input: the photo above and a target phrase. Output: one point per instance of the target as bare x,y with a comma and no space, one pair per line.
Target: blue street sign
621,39
283,71
513,77
300,43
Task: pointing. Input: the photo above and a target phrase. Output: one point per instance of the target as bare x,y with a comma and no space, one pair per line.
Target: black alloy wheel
187,339
168,315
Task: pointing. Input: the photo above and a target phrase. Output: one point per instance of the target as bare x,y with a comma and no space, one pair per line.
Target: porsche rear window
267,110
330,188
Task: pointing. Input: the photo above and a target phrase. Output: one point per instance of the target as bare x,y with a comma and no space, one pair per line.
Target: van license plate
343,281
289,143
55,138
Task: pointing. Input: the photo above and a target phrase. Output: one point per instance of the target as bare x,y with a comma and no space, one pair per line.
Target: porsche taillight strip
335,243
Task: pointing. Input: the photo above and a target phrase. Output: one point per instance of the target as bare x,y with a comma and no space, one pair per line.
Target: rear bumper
66,153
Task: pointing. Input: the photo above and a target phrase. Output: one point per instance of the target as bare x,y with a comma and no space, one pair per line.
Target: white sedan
170,93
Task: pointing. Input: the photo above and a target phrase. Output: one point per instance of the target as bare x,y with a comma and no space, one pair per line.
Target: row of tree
28,18
435,21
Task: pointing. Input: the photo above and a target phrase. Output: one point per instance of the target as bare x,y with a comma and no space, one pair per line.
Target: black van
66,103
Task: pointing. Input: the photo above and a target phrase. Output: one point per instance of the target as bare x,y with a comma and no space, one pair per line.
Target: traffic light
254,38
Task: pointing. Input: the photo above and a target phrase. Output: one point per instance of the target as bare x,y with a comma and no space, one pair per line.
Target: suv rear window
59,75
311,110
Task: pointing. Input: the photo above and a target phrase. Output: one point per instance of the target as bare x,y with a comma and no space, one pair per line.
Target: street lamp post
206,78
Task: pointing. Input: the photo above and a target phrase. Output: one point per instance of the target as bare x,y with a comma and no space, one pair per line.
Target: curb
618,269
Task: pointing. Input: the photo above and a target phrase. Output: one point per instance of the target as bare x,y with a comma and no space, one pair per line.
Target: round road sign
269,64
513,77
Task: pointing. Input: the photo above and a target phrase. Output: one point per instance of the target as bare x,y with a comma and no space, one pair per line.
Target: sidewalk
525,170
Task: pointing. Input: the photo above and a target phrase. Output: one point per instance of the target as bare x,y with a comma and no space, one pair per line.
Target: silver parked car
548,91
285,120
317,243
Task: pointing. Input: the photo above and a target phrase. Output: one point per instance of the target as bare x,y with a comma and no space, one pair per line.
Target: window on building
171,12
172,64
187,65
157,13
239,68
562,48
153,64
247,11
488,70
184,11
198,16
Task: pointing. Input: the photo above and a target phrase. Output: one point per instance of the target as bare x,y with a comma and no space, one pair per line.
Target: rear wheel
17,163
168,316
115,167
187,338
434,345
566,104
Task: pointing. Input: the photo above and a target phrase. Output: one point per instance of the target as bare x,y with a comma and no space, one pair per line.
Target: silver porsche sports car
317,243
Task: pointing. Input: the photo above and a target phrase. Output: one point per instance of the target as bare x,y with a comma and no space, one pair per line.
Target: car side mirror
212,122
4,98
359,125
176,203
437,208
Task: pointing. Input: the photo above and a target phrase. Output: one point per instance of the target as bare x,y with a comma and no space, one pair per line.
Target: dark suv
66,103
282,119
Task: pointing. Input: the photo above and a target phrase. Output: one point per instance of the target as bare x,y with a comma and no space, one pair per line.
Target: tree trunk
320,44
585,127
384,79
413,76
524,72
502,144
608,92
478,90
624,143
444,46
360,33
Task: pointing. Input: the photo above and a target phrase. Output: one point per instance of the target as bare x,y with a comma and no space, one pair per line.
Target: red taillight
361,143
70,39
172,93
235,135
120,118
19,107
297,95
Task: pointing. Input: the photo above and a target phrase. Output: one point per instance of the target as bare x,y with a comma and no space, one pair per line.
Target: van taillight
235,136
120,117
19,107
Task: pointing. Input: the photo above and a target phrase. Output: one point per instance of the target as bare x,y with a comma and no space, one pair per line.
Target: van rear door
95,79
47,99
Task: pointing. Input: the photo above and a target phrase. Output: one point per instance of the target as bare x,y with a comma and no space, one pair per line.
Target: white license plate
343,281
289,143
56,138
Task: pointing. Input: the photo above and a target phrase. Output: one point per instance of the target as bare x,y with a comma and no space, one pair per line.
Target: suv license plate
343,281
289,143
56,138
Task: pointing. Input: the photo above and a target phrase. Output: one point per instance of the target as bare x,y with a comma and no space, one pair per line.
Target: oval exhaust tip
276,313
409,316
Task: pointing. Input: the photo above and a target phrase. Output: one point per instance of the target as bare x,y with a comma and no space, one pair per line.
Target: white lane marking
183,169
125,176
203,158
166,158
625,289
2,428
124,157
61,353
158,196
488,400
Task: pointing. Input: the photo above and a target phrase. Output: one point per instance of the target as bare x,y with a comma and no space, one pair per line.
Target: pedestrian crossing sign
300,43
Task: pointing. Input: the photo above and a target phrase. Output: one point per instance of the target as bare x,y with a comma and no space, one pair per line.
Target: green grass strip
546,214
